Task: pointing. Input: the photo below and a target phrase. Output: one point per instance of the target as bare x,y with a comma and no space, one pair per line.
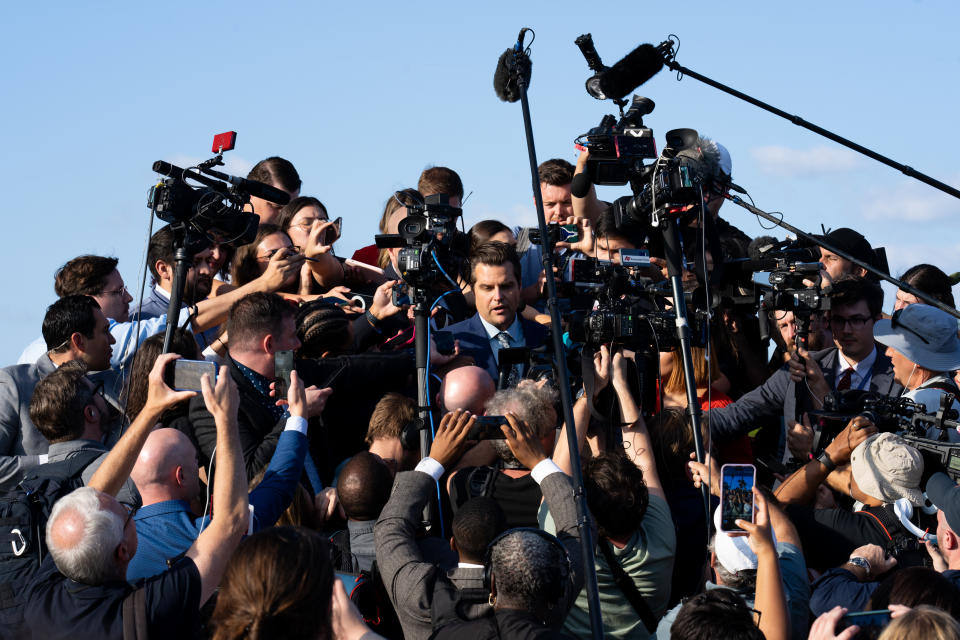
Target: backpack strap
629,589
480,482
134,616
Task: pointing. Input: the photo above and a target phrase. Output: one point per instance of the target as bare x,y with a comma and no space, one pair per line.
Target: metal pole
583,514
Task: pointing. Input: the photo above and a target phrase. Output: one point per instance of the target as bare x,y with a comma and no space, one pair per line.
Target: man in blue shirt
495,276
168,472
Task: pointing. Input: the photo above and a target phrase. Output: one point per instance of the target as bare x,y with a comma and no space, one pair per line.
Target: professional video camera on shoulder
432,249
216,209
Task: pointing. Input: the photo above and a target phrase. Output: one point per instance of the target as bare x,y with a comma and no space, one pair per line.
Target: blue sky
362,96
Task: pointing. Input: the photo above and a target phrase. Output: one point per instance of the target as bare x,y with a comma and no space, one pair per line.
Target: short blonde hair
923,622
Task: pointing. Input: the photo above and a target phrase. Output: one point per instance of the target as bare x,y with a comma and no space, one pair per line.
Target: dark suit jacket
259,430
20,442
475,342
777,396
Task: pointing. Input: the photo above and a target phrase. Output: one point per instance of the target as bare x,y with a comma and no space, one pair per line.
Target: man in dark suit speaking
495,276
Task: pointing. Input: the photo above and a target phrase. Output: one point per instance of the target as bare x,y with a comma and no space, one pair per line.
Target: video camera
432,249
618,148
895,415
213,211
626,308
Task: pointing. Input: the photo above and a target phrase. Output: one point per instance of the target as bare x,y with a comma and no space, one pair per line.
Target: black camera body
618,149
213,212
432,249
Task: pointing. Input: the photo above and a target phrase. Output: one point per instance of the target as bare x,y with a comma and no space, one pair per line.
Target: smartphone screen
283,365
186,374
736,498
871,623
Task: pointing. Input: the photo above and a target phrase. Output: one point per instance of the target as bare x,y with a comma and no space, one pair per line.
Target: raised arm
214,310
596,377
801,487
118,464
770,599
215,544
406,575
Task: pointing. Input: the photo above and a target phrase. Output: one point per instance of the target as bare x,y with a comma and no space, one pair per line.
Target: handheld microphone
252,187
633,70
512,65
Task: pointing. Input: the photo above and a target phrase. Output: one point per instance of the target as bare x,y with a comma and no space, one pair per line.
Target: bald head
467,388
166,468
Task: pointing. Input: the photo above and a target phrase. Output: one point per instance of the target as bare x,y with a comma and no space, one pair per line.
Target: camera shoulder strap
629,589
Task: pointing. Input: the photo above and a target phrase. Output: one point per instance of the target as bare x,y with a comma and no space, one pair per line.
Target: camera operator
882,469
852,243
922,343
854,363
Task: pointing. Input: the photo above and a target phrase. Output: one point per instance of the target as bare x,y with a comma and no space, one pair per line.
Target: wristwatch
824,459
858,561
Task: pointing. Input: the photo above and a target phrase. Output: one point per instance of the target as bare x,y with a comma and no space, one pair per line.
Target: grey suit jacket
411,581
20,442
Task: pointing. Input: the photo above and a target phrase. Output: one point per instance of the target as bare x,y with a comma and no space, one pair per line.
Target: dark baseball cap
852,242
945,494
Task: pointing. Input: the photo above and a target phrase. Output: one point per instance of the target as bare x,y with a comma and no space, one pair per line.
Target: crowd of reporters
250,510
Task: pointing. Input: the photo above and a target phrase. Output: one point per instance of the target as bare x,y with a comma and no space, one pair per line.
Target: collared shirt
515,331
862,371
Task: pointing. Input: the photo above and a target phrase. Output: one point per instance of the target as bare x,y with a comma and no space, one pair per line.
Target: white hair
91,559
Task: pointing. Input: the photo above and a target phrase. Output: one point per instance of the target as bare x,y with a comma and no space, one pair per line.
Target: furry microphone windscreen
510,67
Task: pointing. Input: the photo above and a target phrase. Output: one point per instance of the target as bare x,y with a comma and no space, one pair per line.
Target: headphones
410,434
555,591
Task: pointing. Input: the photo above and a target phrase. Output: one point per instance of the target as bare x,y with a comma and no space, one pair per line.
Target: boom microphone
252,187
512,65
633,70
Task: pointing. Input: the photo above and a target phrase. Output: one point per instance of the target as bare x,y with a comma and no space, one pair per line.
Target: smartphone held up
736,497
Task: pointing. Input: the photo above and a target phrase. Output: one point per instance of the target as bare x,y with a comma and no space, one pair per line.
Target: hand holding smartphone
185,375
736,495
282,366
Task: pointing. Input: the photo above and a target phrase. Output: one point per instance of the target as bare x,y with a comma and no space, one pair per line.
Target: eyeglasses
131,511
855,322
895,322
121,292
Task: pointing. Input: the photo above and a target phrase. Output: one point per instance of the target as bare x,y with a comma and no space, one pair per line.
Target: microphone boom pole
670,62
900,284
583,514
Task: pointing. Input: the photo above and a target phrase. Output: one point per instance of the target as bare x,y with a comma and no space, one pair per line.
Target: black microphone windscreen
760,245
510,67
633,70
580,185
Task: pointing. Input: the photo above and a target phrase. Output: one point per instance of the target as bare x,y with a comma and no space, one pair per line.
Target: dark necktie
513,376
844,383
